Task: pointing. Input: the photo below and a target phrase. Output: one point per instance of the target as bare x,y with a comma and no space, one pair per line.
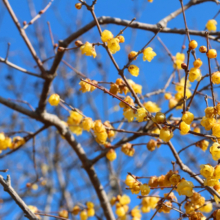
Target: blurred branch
24,36
8,188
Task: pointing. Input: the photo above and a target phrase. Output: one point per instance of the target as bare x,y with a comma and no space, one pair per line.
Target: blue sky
64,20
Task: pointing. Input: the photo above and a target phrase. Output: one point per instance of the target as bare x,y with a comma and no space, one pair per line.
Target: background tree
103,109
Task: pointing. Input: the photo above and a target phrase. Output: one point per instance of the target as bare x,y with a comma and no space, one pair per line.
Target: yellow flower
98,127
141,114
193,44
211,181
211,25
185,188
88,49
145,189
120,211
194,74
128,100
75,210
152,107
90,212
136,212
129,180
128,149
75,118
166,207
207,170
54,99
86,87
203,145
101,137
216,174
211,54
63,214
174,179
137,88
172,102
135,188
216,130
132,54
87,124
215,151
151,145
148,54
184,128
197,199
197,63
206,208
189,207
77,130
83,215
113,45
188,117
125,200
129,114
165,134
207,123
133,70
114,89
216,77
106,35
209,112
180,57
167,96
121,39
111,155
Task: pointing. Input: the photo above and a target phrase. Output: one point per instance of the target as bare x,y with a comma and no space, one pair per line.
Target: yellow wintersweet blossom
211,181
206,208
106,35
145,189
86,87
216,77
113,45
203,145
129,180
136,87
216,130
77,130
75,118
148,54
184,128
136,213
54,99
141,114
188,117
215,151
129,114
124,199
194,74
83,215
180,86
207,123
179,59
211,25
207,170
165,134
133,70
87,124
88,49
111,155
152,107
185,188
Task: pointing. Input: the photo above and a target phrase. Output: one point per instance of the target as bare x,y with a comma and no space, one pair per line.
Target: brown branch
53,120
24,36
38,15
8,188
20,68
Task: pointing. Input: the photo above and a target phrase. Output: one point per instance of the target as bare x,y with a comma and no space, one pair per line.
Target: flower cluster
112,43
86,87
86,212
128,149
